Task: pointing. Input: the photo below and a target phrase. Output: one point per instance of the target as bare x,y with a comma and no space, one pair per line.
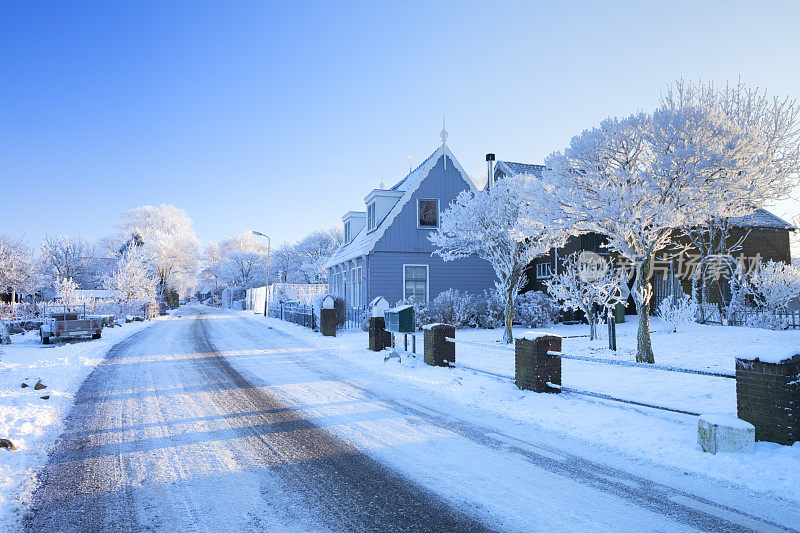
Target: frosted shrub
768,321
422,315
489,309
774,285
535,310
677,312
454,307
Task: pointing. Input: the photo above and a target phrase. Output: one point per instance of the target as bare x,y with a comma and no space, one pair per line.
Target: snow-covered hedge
485,310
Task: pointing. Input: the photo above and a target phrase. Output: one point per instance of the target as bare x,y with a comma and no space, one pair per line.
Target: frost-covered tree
774,285
68,292
16,267
314,250
66,257
640,179
165,236
486,224
134,278
587,282
243,261
211,267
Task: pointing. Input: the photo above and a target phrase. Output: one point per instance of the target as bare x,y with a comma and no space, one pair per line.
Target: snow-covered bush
535,310
454,307
767,320
774,285
677,312
490,309
422,314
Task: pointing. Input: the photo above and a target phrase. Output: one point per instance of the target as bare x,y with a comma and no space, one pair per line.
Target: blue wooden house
386,251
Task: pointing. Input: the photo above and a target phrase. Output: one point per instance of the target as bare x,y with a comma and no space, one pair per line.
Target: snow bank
32,419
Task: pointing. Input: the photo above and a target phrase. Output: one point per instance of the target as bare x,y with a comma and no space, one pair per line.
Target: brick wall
768,396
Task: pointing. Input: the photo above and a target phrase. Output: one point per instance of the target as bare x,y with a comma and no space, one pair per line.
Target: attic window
371,216
347,232
428,211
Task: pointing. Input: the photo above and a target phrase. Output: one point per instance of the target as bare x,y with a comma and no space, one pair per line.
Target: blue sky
281,117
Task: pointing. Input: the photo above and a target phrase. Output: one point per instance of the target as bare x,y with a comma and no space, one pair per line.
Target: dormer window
428,213
347,232
371,216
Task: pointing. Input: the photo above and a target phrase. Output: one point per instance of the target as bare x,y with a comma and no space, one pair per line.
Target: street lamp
266,288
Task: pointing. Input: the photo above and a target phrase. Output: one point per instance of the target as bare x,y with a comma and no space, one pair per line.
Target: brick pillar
438,351
379,338
534,367
327,322
768,396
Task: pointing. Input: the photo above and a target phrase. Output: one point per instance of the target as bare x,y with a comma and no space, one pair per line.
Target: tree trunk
644,349
592,327
508,336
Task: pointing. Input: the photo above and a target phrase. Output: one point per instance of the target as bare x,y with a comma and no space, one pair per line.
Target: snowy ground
657,436
33,423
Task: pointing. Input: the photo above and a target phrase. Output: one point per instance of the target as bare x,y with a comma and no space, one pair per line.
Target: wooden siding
404,235
471,274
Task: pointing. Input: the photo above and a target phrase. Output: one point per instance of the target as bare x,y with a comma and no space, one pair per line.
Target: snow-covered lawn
658,436
33,423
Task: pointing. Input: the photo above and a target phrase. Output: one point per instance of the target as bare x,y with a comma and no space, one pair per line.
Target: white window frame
347,232
356,281
547,268
371,218
438,213
427,280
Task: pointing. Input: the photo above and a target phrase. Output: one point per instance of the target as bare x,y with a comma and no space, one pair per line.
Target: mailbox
400,319
327,302
379,306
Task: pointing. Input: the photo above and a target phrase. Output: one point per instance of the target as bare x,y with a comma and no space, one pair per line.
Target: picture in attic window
428,213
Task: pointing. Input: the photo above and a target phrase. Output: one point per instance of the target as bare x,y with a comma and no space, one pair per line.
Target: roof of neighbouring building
364,241
761,218
513,168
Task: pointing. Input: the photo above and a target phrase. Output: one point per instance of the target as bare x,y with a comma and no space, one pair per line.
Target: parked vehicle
68,322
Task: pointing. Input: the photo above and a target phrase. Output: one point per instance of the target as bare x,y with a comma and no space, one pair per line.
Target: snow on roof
515,168
761,218
365,240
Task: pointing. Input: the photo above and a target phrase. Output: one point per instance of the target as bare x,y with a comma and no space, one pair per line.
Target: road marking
528,447
730,516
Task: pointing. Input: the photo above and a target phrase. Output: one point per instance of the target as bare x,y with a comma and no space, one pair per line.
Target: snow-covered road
212,422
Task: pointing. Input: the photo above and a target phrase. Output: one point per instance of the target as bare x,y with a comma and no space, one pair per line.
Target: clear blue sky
281,117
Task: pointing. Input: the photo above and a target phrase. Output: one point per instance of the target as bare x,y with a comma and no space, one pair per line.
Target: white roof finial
381,186
410,167
444,131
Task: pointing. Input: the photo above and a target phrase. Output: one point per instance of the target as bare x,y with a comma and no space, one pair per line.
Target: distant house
765,237
386,251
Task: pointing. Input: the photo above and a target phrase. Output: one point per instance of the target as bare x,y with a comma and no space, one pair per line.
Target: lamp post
266,287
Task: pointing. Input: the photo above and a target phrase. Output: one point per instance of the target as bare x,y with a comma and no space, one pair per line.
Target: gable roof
364,241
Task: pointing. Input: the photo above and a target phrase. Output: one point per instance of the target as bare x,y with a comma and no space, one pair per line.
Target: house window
543,271
428,211
415,281
356,279
347,232
371,216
